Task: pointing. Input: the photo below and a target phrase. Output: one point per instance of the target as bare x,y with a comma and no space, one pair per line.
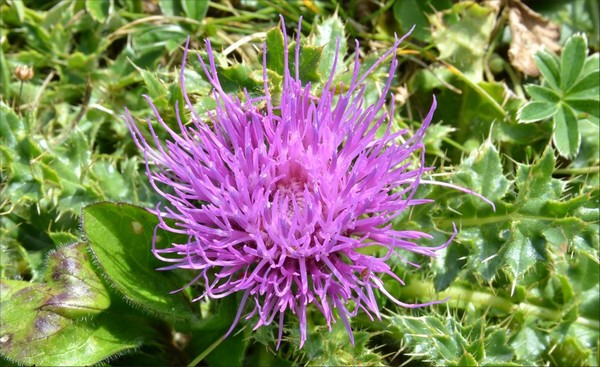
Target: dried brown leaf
530,33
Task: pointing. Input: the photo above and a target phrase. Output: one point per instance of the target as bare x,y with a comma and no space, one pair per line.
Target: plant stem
460,297
577,171
206,352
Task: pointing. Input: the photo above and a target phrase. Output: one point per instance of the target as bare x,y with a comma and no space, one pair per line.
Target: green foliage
119,235
461,34
63,321
448,341
568,94
521,280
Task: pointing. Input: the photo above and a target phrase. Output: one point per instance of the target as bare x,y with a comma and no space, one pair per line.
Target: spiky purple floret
277,201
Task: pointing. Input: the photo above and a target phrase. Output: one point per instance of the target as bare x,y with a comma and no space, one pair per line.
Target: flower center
292,194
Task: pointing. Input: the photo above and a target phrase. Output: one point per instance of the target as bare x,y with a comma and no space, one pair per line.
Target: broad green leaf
536,111
592,63
566,132
542,94
99,9
236,78
120,237
572,59
76,289
63,321
549,66
195,9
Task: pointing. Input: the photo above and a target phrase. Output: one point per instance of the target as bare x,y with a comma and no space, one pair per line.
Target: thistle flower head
278,197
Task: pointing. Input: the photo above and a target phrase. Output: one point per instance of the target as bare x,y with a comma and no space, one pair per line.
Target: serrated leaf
521,250
572,59
324,347
482,172
445,341
120,237
536,185
308,69
275,50
529,344
328,34
549,66
566,132
536,111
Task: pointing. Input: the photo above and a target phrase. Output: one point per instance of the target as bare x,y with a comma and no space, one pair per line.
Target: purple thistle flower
278,201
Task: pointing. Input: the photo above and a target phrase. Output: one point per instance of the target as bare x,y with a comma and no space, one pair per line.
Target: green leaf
586,87
536,111
275,50
445,341
195,9
99,9
324,347
542,94
549,66
529,343
310,58
63,321
566,132
328,33
228,352
482,173
120,237
523,249
171,8
572,59
536,186
14,259
77,290
585,108
461,34
413,12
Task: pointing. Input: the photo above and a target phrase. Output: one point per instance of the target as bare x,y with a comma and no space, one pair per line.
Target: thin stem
206,352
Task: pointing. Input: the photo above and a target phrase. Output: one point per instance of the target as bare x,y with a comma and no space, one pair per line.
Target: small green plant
568,94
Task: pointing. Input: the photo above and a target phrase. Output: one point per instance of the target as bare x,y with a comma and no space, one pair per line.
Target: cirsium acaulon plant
278,197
